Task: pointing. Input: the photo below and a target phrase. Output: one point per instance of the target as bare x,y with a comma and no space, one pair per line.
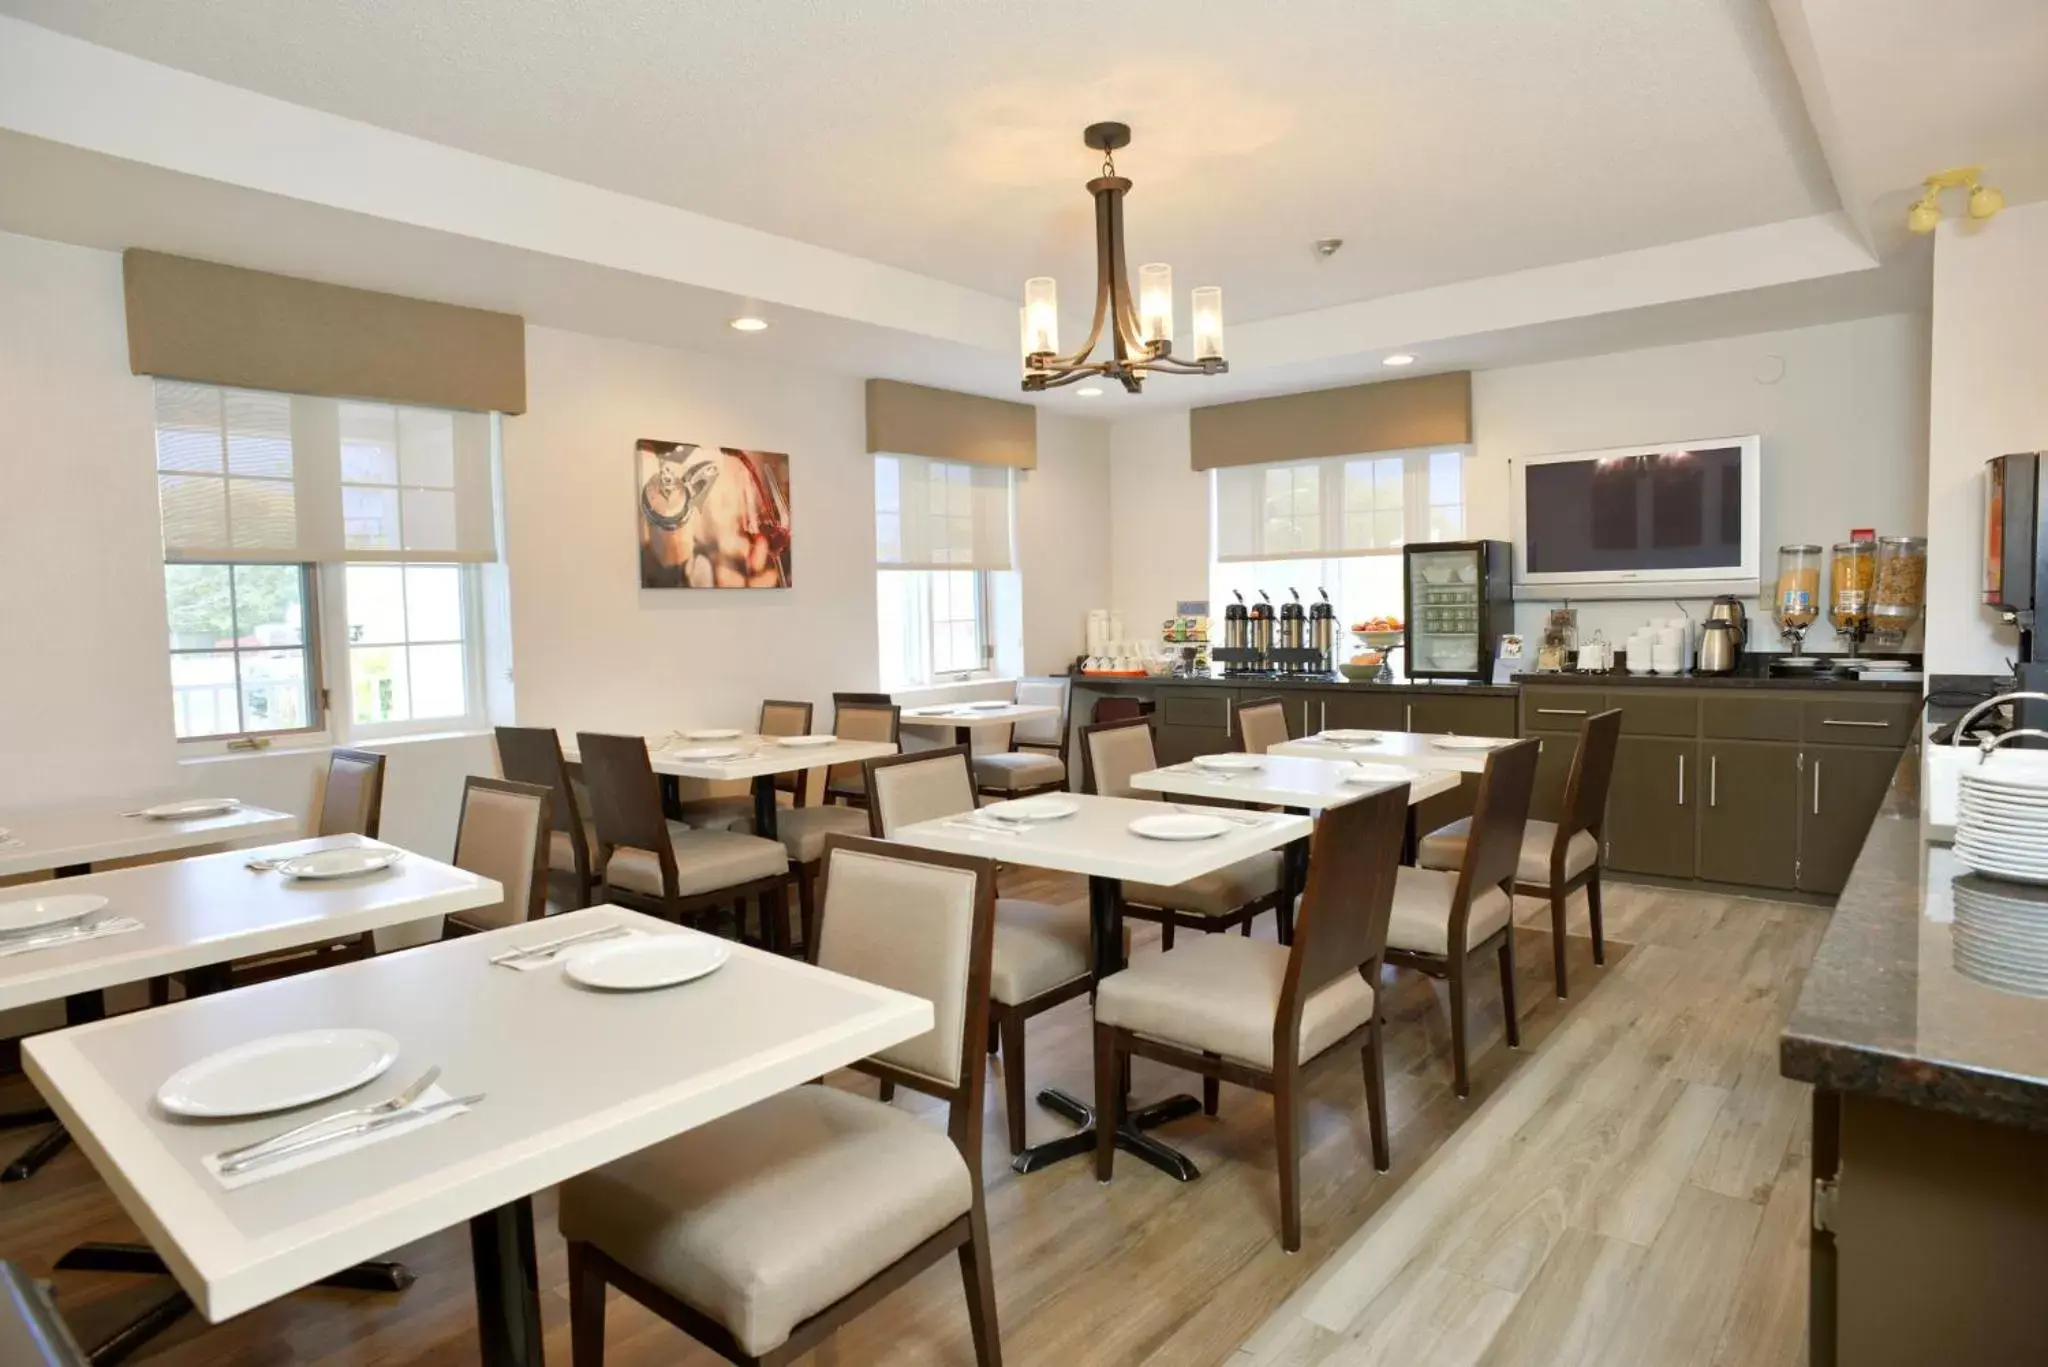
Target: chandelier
1141,336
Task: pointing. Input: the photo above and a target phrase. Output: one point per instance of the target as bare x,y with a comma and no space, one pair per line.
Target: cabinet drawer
1737,717
1558,709
1207,707
1645,713
1439,714
1837,720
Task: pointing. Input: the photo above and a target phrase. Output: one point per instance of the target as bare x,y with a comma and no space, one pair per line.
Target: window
934,625
943,531
408,655
397,478
242,658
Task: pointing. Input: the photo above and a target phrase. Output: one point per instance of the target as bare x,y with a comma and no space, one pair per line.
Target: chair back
922,785
503,835
1262,724
781,718
1113,751
354,797
1120,709
1585,792
860,716
32,1333
922,923
1043,733
1341,925
1499,812
533,754
625,800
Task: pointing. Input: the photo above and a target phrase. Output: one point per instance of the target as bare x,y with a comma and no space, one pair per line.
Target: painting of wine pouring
712,517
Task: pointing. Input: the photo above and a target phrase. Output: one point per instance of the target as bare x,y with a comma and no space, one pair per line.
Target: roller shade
1393,415
1351,505
936,515
960,429
213,324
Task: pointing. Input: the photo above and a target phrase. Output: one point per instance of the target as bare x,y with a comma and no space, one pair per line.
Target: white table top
1292,781
760,757
38,839
952,717
213,908
573,1079
1409,749
1097,841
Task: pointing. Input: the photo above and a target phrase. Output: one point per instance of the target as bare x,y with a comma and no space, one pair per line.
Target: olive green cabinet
1653,807
1192,721
1749,822
1838,799
1377,710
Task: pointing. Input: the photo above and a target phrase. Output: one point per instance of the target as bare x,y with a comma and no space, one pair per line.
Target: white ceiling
1443,141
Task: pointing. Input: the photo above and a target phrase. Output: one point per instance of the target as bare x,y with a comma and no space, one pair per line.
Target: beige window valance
960,429
1393,415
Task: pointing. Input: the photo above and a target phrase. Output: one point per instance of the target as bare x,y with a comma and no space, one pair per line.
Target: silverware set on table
548,949
1220,813
47,939
316,1133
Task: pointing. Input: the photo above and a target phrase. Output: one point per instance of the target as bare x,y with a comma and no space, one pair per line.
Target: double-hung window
942,530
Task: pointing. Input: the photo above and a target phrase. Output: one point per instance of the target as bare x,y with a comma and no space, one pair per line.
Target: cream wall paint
1988,396
1063,539
1159,547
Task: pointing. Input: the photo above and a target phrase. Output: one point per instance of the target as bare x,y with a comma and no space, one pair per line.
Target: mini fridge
1460,601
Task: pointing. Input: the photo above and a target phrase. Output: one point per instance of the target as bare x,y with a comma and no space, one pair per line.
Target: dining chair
1036,761
1042,954
679,871
1262,724
1442,919
860,716
1120,709
733,808
32,1332
1557,857
802,830
1253,1013
1111,752
533,754
762,1232
353,799
502,834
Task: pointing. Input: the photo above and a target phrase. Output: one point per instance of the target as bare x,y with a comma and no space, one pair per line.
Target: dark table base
1130,1135
501,1254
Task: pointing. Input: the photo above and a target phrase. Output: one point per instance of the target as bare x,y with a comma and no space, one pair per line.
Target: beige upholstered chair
1557,857
1042,953
1111,752
1252,1012
502,835
679,872
802,830
533,754
353,799
760,1233
1262,724
1036,761
1442,919
860,716
730,806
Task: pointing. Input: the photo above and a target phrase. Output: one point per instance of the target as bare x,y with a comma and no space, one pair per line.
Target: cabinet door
1377,709
1441,715
1838,800
1652,807
1749,818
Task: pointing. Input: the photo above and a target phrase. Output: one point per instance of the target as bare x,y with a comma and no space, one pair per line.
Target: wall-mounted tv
1675,520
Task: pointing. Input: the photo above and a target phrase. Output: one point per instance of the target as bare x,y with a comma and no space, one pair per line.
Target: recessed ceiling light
1088,391
1398,358
747,322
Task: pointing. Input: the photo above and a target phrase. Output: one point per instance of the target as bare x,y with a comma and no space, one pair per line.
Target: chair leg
1108,1070
977,1278
1287,1155
887,1091
586,1308
1166,932
1283,922
1593,915
995,1035
1557,900
1212,1090
807,908
1511,1018
1461,1076
1376,1096
1014,1098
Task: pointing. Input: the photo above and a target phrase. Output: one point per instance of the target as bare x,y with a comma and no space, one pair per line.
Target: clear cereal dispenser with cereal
1795,601
1900,590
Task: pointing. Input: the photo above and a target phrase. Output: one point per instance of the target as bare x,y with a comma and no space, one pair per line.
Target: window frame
313,644
335,628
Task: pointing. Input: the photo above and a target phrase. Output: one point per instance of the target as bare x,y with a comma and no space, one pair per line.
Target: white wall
1063,539
1159,538
1988,396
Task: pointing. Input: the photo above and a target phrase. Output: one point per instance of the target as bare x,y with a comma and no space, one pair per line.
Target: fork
361,1127
546,947
1221,813
56,937
396,1103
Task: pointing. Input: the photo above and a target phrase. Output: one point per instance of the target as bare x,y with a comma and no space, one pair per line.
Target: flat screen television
1676,520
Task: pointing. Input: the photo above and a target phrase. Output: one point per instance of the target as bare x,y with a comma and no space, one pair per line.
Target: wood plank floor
1624,1188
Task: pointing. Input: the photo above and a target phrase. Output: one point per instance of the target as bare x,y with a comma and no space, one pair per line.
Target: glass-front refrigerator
1459,602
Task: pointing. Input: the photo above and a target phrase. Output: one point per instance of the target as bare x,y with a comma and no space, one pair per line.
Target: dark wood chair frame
1342,928
632,813
1006,1019
1584,809
1492,853
452,925
1167,919
534,756
590,1271
1059,752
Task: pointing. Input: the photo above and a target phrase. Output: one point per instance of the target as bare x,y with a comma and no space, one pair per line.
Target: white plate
1465,742
996,706
2003,788
1351,737
642,962
1180,827
1992,868
277,1073
705,753
191,807
1032,809
1230,764
2024,849
347,863
715,733
36,912
805,742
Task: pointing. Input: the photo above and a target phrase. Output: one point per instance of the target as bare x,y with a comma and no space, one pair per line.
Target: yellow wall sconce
1984,201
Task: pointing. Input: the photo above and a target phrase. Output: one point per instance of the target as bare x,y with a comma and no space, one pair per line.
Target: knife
383,1122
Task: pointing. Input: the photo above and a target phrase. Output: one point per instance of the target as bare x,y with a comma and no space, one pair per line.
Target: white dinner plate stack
2002,822
2000,936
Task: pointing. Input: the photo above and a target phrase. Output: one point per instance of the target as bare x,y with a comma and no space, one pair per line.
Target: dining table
964,719
71,838
555,1079
1095,839
756,759
1409,749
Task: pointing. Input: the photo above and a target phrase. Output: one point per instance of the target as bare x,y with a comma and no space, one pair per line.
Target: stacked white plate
2000,936
2002,821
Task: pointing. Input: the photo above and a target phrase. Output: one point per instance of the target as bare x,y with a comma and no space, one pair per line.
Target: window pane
273,690
888,536
269,606
1387,530
369,519
263,514
197,598
259,430
426,448
1386,478
1447,524
433,604
190,450
203,695
195,511
1446,477
376,604
369,443
436,677
377,681
429,519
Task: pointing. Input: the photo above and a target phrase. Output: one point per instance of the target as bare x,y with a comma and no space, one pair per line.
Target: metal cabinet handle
1229,716
1407,716
1816,786
1560,711
1681,779
1836,721
1713,780
1304,716
1323,715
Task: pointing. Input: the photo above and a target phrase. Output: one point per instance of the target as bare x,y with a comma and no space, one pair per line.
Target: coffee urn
1261,624
1234,623
1322,632
1293,629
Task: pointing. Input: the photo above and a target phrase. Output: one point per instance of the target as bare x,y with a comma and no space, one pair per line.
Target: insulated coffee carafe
1322,631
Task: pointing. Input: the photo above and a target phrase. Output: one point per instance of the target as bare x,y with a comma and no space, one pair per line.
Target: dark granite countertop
1907,683
1104,684
1886,1012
